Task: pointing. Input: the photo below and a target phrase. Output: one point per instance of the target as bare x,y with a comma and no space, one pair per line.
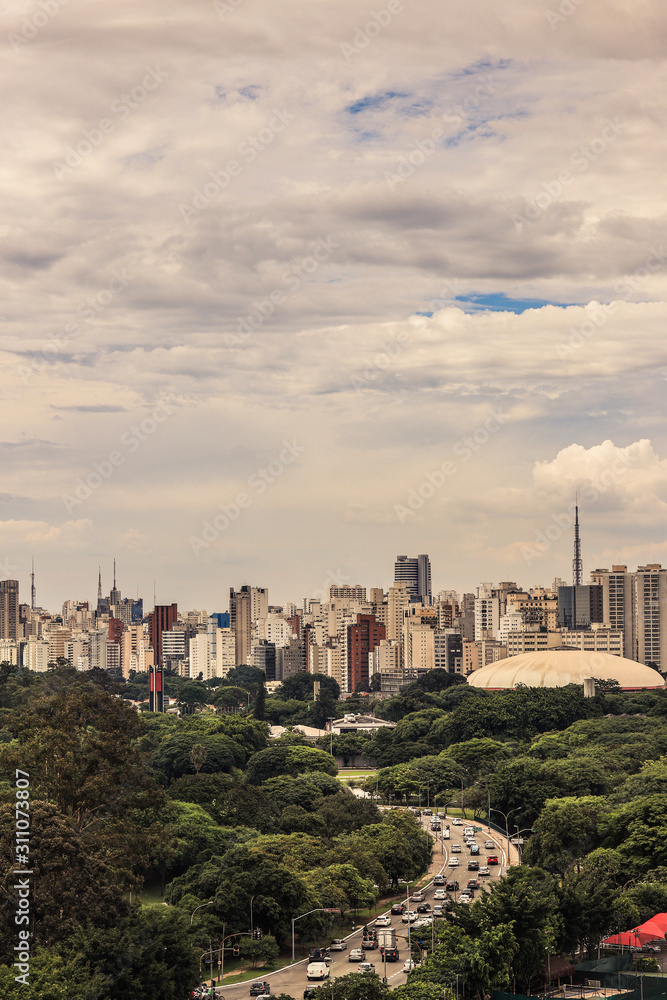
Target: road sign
331,909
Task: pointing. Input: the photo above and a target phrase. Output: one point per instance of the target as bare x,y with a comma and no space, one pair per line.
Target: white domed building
558,667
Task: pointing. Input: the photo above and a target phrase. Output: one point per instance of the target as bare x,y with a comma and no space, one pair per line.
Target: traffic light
257,934
236,951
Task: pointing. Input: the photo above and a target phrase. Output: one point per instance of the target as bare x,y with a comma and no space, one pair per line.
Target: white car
437,910
484,870
417,897
468,832
453,862
409,965
456,848
338,944
383,921
440,894
465,898
457,821
409,917
489,845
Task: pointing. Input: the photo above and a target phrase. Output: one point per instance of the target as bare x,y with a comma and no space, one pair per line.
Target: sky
290,289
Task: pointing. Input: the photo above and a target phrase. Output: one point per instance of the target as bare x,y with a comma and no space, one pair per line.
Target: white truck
386,937
317,970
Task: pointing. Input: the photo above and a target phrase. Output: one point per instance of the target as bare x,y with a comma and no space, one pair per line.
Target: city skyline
287,290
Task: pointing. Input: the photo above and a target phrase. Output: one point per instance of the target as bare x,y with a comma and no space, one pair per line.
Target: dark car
397,908
424,908
318,955
309,990
473,866
391,954
473,883
451,886
258,989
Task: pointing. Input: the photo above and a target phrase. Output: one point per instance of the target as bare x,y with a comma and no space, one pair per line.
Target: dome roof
558,667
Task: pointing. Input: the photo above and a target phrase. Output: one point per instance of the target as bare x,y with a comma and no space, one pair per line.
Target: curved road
292,979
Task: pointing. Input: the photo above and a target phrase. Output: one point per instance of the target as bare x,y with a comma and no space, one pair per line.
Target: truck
445,833
386,938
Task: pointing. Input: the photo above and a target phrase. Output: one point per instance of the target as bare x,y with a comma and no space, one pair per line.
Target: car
356,955
441,816
397,908
439,894
465,897
318,955
452,885
456,848
453,862
383,921
472,883
439,880
484,870
473,866
309,990
474,849
369,941
409,965
424,908
488,845
424,922
492,859
366,967
259,989
338,944
417,897
435,826
457,821
409,917
437,910
428,812
390,954
469,831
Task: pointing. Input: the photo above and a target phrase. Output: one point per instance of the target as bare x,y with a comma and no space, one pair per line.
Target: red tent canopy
651,930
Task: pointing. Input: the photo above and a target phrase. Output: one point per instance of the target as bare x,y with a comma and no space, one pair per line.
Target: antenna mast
577,564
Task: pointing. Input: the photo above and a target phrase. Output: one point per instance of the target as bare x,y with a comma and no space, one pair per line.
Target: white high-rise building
36,655
487,613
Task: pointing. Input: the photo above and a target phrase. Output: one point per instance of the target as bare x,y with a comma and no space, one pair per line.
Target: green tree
191,695
259,708
261,952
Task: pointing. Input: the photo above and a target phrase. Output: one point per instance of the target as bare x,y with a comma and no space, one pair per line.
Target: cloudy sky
291,288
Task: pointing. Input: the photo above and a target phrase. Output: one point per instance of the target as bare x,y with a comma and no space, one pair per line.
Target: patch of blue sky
499,302
252,93
144,159
372,101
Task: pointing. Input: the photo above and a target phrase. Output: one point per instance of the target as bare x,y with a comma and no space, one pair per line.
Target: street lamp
251,924
210,903
331,719
506,817
518,833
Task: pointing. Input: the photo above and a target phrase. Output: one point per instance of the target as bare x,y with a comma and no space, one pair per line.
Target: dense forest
218,818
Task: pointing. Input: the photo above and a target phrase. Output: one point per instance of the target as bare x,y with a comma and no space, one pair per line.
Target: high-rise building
240,617
160,620
487,613
650,616
362,638
9,609
617,602
579,606
415,572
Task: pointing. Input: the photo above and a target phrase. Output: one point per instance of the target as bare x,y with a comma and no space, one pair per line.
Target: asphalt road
292,979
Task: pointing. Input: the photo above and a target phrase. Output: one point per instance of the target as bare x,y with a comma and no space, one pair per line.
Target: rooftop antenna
99,587
114,574
577,565
32,585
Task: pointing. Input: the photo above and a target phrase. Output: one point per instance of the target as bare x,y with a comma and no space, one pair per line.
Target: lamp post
506,817
210,903
516,836
252,929
318,909
331,720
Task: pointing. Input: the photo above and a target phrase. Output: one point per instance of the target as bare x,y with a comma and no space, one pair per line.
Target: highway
292,979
